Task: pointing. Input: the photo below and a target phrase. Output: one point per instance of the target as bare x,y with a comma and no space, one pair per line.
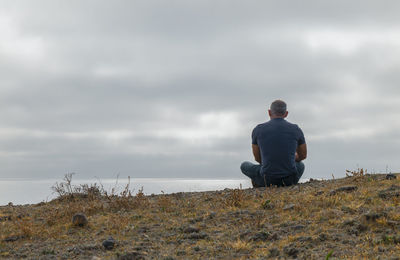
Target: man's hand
301,153
256,153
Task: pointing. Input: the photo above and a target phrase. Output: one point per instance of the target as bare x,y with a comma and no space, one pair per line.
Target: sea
32,191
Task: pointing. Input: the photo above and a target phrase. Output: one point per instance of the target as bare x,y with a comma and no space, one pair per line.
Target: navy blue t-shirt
278,140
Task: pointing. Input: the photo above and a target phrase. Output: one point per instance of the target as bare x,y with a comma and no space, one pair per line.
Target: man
278,147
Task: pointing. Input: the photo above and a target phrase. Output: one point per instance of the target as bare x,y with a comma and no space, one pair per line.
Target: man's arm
256,153
301,152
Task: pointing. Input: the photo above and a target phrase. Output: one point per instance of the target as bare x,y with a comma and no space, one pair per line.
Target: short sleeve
254,136
301,140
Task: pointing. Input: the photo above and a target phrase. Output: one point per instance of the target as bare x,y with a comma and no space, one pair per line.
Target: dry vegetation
354,217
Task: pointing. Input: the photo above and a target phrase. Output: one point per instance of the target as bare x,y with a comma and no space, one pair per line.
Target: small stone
191,230
109,243
79,220
13,238
260,236
298,227
288,207
200,235
343,189
390,176
372,216
392,191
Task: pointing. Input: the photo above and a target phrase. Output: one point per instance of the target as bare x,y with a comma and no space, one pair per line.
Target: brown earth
351,218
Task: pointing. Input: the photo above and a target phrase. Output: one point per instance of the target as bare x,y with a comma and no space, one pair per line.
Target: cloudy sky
174,88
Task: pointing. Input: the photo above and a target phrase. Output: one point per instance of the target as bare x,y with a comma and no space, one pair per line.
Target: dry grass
227,223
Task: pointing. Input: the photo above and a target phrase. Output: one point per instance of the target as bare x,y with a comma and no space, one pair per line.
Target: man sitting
278,147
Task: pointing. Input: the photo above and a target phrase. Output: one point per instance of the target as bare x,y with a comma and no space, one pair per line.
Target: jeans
252,171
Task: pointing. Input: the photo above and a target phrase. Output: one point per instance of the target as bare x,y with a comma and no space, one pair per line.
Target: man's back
278,140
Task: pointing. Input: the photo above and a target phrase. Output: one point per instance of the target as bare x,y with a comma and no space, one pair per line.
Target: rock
320,192
372,216
297,227
260,236
109,243
191,230
288,207
392,191
273,252
390,176
13,238
79,220
196,248
200,235
343,189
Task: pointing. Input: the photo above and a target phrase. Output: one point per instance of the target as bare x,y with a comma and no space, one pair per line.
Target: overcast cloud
174,88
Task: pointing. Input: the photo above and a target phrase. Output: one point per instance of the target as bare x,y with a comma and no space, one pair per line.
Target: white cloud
17,46
347,42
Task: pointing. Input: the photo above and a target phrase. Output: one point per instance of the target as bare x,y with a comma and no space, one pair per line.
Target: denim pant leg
252,171
300,170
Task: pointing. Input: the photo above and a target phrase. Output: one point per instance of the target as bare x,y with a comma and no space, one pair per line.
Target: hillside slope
354,217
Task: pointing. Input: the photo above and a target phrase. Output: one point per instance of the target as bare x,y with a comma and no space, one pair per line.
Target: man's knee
300,167
244,166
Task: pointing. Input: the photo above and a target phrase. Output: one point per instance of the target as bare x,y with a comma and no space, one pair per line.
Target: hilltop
353,217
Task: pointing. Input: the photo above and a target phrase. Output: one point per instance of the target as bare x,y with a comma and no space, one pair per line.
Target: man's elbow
302,157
